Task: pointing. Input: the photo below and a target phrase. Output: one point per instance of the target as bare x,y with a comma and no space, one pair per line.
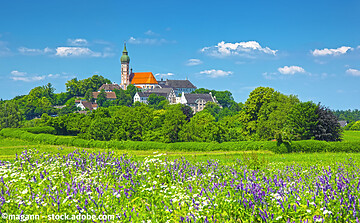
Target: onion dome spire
125,58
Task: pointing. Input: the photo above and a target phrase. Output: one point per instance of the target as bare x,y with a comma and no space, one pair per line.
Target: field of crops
158,189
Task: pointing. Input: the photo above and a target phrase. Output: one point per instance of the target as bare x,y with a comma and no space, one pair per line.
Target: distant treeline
266,115
348,115
352,117
43,100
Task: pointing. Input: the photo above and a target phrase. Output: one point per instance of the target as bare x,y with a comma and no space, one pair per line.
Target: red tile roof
143,78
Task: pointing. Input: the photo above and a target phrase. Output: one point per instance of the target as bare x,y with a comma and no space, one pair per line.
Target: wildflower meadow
159,189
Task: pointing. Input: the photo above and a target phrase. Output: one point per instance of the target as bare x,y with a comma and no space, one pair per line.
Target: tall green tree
252,106
273,115
302,120
101,98
173,122
131,89
187,111
213,109
328,128
133,122
234,128
101,129
202,128
73,87
123,98
77,87
89,95
157,102
61,98
10,115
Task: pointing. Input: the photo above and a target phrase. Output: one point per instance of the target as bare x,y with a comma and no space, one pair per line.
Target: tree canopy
266,115
77,87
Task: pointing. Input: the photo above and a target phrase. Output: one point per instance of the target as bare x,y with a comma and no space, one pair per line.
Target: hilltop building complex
175,91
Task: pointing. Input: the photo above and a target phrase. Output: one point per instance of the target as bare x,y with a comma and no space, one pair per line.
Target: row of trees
348,115
266,115
175,123
77,87
43,99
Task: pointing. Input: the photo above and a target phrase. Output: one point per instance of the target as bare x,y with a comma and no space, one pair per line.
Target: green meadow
9,147
177,186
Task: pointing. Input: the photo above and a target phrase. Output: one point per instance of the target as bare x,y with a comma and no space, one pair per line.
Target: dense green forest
266,115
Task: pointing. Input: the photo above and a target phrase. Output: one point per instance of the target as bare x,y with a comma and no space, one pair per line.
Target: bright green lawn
10,147
352,136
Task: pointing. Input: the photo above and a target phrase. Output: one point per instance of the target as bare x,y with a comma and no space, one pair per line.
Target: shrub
38,130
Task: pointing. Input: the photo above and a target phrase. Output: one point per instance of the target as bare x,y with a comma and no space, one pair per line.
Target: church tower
125,74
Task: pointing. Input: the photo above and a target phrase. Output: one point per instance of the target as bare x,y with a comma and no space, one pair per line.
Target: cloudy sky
306,48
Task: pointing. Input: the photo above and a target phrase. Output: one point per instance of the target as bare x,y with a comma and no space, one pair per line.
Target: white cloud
193,62
4,50
29,51
164,75
67,52
353,72
150,33
53,75
28,79
291,70
18,73
216,73
271,76
249,48
24,76
77,42
76,52
37,78
148,41
320,61
331,52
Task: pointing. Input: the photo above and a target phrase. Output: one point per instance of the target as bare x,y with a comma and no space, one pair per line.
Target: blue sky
306,48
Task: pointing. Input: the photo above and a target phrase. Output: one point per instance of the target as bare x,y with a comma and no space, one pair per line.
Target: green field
351,136
173,186
9,147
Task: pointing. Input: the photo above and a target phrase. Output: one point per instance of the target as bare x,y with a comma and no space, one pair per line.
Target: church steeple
125,58
125,74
